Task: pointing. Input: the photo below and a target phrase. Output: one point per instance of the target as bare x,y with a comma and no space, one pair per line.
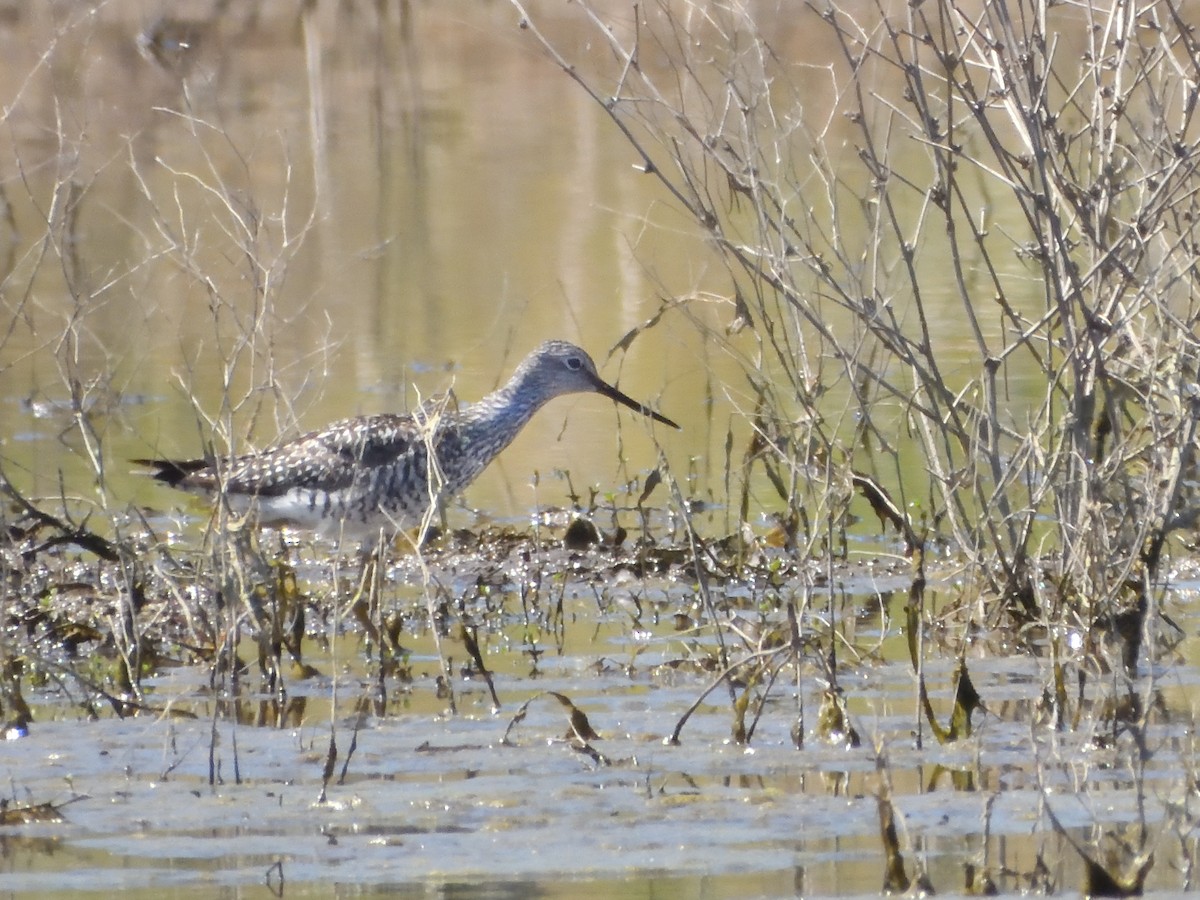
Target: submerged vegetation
1031,166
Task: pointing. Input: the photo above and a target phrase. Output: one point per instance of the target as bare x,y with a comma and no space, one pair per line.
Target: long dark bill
603,387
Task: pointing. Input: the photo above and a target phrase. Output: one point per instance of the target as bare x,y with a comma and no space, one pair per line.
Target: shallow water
428,199
431,801
288,219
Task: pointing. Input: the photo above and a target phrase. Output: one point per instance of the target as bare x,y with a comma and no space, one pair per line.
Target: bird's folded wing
330,459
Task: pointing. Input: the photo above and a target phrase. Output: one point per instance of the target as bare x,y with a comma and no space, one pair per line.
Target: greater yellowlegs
360,475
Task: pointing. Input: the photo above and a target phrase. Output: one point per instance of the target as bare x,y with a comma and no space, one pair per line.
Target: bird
370,474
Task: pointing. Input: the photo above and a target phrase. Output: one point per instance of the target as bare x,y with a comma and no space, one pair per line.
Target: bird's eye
574,363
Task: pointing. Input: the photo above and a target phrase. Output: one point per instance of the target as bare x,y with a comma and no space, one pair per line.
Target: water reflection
264,712
293,210
444,787
223,231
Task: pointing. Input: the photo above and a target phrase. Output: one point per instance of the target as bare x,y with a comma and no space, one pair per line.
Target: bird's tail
172,471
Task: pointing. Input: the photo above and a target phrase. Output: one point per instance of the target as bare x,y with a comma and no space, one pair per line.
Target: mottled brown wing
326,460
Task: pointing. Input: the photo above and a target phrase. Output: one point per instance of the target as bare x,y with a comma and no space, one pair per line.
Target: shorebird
359,476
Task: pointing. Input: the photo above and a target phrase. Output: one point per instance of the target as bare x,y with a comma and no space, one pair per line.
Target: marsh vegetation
915,582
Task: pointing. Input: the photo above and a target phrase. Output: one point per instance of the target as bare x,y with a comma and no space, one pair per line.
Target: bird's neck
508,409
493,422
